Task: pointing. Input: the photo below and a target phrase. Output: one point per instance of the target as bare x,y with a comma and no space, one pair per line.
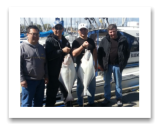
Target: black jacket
104,50
54,54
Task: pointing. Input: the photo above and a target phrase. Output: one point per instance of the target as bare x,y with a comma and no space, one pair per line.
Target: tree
39,26
22,28
47,27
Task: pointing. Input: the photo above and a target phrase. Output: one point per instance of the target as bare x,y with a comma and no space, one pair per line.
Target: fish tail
69,97
86,93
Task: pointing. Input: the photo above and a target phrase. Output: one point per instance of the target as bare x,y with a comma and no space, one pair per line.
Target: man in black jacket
113,54
56,48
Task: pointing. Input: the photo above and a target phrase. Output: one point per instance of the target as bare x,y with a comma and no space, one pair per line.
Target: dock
130,98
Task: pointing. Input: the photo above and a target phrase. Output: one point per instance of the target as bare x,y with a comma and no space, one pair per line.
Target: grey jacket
32,62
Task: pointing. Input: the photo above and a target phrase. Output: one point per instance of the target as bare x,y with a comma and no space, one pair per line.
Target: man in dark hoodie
33,71
56,48
113,54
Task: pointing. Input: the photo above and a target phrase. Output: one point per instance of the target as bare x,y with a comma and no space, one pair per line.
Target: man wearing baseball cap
56,47
78,49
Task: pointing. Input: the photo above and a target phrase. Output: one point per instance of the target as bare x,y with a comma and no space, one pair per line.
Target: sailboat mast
36,21
43,28
71,24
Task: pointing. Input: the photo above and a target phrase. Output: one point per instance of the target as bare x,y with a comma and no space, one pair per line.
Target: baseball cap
82,25
57,22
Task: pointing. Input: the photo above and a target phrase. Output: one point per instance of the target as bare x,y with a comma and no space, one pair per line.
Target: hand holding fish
85,44
66,49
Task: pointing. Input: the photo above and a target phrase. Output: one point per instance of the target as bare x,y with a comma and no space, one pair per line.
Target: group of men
40,66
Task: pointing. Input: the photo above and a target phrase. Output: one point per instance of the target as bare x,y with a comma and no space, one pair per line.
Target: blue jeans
91,89
118,79
33,94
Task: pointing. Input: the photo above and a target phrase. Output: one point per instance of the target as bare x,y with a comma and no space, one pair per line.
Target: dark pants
52,89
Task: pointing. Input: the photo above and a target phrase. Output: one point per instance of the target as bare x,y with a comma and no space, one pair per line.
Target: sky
67,21
141,12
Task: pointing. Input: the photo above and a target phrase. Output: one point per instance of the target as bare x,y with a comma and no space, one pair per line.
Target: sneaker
119,103
105,102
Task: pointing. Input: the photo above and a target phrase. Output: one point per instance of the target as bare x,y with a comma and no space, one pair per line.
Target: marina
130,99
130,75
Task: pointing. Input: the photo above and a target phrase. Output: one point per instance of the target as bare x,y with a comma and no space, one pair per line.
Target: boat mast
24,29
36,21
123,22
107,21
71,24
43,28
25,21
91,25
93,19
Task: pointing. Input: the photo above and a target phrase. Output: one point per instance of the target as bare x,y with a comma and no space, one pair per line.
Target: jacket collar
56,37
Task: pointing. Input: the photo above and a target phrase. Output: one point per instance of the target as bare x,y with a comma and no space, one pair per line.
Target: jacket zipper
60,48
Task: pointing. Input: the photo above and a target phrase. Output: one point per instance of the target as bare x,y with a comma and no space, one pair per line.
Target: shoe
90,105
119,102
105,102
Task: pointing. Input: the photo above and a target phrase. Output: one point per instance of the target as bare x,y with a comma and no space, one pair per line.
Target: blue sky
67,21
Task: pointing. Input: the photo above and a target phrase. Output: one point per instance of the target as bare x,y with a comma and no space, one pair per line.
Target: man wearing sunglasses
56,46
33,70
78,49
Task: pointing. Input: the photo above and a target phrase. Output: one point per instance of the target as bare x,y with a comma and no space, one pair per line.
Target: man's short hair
32,27
111,26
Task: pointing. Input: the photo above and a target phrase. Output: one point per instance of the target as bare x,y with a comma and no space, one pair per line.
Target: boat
130,75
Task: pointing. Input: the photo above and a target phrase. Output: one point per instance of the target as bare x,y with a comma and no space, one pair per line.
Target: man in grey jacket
33,72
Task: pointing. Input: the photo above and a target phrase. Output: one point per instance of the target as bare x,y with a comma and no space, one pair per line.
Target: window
135,45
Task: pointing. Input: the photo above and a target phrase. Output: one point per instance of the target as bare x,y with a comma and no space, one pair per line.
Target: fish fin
86,93
69,97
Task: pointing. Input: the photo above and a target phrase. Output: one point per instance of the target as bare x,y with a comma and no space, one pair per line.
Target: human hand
99,67
24,84
66,49
85,44
46,80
